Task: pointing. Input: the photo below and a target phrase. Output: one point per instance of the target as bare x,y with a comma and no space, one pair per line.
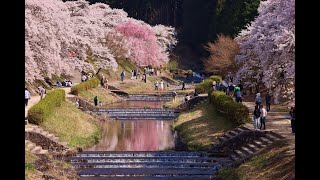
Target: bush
43,109
235,112
205,86
91,83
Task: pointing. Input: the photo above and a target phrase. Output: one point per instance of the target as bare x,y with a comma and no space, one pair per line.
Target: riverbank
274,162
198,128
73,126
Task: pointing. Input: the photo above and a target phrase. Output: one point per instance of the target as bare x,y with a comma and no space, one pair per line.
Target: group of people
135,74
64,83
85,76
156,85
104,82
229,88
260,113
152,71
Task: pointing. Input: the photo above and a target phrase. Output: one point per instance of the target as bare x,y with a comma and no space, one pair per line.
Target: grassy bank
73,126
30,170
272,163
103,95
201,126
34,168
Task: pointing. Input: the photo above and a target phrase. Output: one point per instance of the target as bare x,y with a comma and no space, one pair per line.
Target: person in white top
263,116
26,96
161,85
156,84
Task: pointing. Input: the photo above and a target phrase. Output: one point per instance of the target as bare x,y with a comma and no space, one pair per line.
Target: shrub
205,86
235,112
43,109
91,83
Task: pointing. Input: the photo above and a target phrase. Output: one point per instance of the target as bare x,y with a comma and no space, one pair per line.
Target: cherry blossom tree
267,50
54,29
145,47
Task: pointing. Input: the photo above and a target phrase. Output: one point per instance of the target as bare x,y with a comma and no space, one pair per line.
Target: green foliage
91,83
205,86
173,64
29,166
44,108
231,16
235,112
228,173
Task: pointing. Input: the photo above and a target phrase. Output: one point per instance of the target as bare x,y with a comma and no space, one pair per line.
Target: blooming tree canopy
267,49
59,34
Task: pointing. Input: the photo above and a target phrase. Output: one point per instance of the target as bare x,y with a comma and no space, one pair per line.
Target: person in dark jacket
95,100
268,101
183,86
293,119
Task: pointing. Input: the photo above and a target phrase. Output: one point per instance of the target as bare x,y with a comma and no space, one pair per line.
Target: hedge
91,83
234,111
44,107
205,86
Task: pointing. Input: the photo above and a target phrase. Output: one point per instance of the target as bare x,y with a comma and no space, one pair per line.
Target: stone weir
138,113
145,164
150,97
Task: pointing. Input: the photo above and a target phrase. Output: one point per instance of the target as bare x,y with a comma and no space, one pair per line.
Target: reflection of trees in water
137,135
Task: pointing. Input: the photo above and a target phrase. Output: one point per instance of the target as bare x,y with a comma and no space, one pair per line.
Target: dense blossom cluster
55,29
267,49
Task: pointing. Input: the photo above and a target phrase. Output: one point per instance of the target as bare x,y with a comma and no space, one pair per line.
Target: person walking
238,96
138,73
102,80
132,74
106,84
167,85
258,100
122,75
174,95
256,117
268,101
26,96
41,91
293,119
145,78
161,85
231,90
263,117
213,86
95,100
156,84
183,86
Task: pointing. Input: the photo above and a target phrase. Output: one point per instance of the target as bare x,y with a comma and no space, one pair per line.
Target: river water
135,135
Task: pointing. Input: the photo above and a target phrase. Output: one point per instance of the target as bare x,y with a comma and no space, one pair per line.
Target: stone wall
228,146
44,142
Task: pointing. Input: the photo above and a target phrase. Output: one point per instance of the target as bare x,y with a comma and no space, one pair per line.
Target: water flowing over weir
138,143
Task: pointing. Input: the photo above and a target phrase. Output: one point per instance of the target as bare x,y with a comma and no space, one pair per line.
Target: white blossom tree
54,29
267,50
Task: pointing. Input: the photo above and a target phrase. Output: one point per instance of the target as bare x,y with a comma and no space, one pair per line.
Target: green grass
29,157
30,170
103,95
271,163
201,126
73,126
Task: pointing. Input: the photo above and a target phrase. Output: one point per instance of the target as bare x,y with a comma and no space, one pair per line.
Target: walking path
35,99
278,121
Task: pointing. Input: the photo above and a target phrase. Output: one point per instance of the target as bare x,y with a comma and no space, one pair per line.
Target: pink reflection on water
135,135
